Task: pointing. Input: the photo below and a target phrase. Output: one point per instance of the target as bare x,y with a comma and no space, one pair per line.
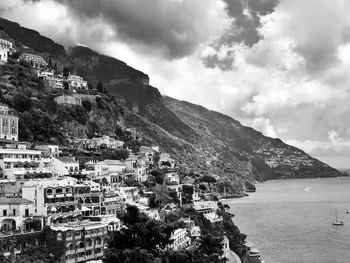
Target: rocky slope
203,141
223,132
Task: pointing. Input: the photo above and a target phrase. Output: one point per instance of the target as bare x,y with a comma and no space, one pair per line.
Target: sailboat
336,222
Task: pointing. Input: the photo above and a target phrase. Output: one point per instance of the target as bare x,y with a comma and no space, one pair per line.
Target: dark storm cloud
244,28
246,14
174,27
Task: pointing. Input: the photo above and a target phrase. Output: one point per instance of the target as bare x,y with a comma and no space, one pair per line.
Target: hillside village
77,192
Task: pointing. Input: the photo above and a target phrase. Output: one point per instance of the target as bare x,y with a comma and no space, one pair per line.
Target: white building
14,212
77,82
140,174
109,166
129,194
8,124
65,165
52,80
5,47
19,162
208,209
48,150
165,161
110,143
231,257
51,196
36,60
172,178
180,239
68,99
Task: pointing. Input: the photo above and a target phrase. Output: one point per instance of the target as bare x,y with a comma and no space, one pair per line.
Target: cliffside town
84,137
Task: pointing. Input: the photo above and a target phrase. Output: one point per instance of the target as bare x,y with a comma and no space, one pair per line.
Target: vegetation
145,240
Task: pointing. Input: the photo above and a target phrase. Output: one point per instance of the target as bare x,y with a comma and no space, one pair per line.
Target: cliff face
223,132
203,141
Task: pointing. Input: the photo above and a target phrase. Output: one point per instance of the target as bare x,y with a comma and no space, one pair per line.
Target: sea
290,221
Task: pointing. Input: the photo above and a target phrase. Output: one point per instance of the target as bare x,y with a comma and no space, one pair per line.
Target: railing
70,252
92,256
81,250
79,259
17,232
99,245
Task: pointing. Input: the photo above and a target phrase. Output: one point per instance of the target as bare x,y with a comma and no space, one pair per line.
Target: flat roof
14,200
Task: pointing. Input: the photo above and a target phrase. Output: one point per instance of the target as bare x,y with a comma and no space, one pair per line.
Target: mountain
203,142
222,131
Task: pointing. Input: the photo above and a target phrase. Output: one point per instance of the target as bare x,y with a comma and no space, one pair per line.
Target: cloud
174,28
263,124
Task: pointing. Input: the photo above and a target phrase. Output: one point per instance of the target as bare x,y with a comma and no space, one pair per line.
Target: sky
281,67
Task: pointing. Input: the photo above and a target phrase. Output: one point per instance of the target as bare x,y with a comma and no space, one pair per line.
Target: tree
65,72
162,195
187,192
210,248
158,176
87,105
156,158
100,87
142,238
22,102
179,256
65,85
49,62
208,179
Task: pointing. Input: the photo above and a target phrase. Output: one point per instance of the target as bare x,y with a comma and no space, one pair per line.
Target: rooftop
14,200
113,162
67,159
80,225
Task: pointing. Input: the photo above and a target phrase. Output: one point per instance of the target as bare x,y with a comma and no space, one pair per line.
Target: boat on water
337,222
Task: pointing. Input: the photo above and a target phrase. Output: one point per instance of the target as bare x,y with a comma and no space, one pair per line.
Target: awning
84,208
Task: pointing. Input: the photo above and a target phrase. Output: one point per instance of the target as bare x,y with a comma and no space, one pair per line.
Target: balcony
17,232
70,252
99,245
80,249
97,255
92,256
80,259
31,170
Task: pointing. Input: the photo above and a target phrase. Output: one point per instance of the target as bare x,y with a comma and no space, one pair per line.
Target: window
4,212
26,212
14,212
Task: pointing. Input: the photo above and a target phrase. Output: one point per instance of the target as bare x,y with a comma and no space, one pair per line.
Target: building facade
36,60
8,124
5,47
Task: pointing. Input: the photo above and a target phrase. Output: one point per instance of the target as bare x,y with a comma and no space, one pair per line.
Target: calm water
291,220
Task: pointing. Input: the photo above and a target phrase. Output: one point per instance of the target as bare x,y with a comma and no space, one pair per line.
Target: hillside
222,131
204,142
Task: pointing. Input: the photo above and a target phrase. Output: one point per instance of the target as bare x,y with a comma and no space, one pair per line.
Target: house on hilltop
5,47
36,60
